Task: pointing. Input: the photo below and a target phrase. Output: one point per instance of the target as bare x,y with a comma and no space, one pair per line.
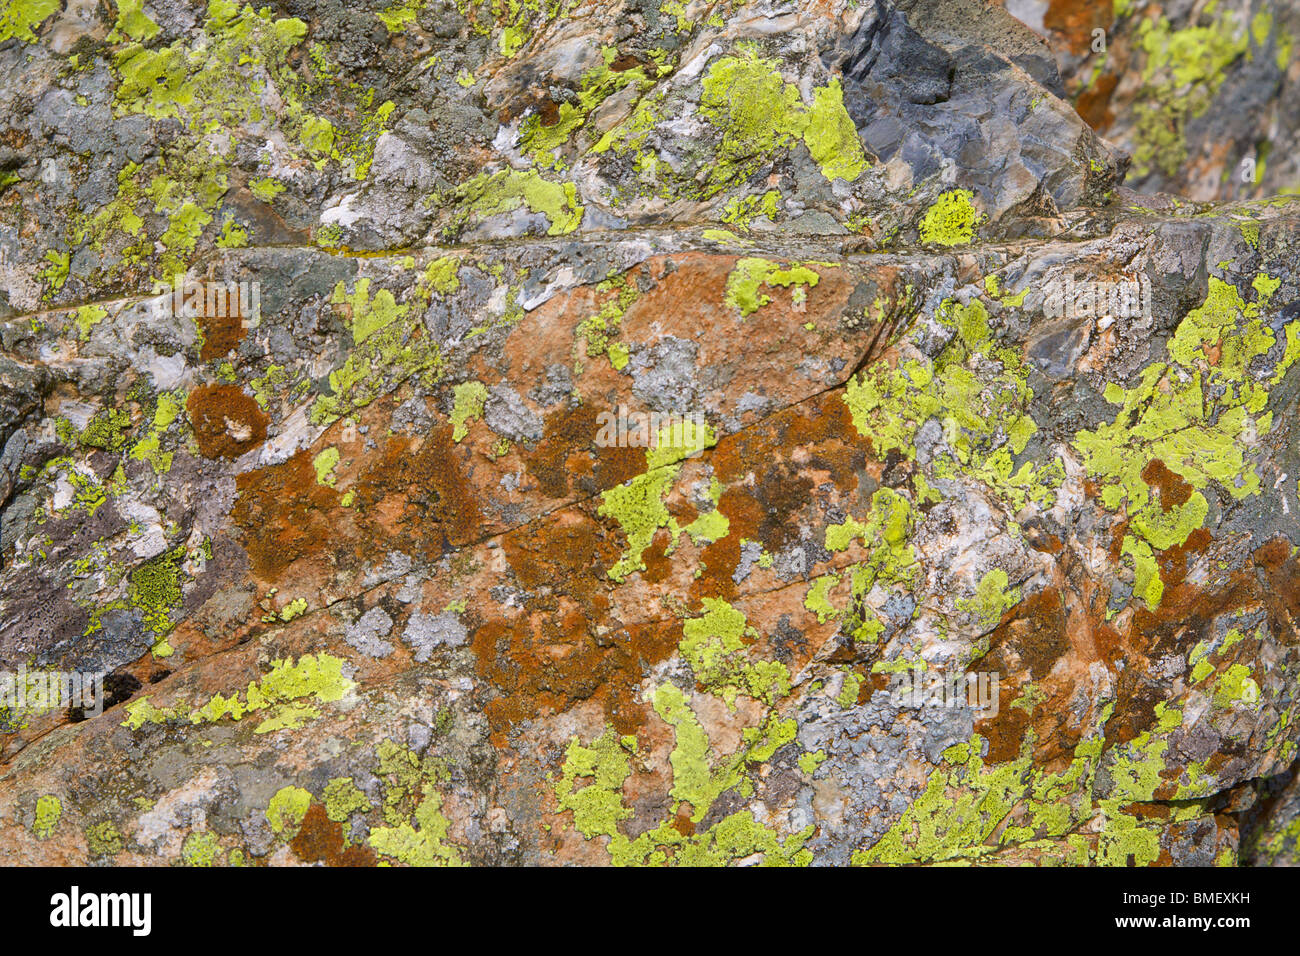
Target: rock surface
358,515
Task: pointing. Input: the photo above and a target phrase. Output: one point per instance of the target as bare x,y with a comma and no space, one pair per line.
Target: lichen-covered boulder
1204,95
633,432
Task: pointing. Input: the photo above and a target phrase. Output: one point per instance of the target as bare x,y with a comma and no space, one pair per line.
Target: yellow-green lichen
758,113
201,849
286,810
49,810
951,221
103,839
750,274
325,463
342,798
493,194
1193,415
467,406
20,18
285,697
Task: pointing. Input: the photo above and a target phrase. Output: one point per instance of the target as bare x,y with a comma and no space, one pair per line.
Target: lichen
467,406
283,696
745,280
496,193
1195,417
286,809
951,221
49,810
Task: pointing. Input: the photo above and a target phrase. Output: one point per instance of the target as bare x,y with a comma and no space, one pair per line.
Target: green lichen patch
286,810
1180,79
951,221
49,810
977,391
970,811
493,194
156,590
751,274
284,698
757,113
416,830
638,505
20,18
1197,416
103,839
713,645
992,598
467,406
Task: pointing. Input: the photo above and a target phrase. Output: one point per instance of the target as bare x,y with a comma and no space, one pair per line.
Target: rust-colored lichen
227,423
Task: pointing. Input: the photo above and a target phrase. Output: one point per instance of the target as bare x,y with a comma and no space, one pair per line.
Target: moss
951,221
468,405
49,810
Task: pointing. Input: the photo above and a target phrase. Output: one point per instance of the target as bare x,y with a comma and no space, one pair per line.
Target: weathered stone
643,426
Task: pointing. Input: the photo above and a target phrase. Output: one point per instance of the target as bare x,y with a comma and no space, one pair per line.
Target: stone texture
371,585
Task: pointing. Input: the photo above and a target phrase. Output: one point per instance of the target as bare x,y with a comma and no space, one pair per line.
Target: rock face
1204,95
638,433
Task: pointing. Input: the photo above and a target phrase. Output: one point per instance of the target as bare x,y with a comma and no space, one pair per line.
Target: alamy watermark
660,430
213,299
921,688
37,692
1119,299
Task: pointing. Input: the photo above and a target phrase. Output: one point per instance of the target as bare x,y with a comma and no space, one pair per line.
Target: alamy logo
920,688
213,299
1120,299
660,430
74,909
37,692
